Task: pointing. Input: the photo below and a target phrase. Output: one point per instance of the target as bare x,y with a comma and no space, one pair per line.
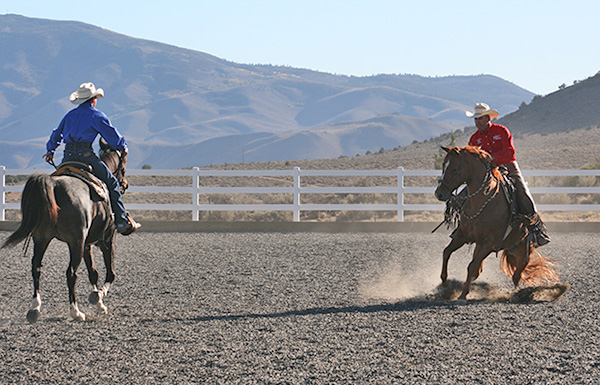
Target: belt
79,145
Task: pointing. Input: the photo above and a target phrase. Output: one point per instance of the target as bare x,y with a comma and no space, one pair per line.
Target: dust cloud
394,286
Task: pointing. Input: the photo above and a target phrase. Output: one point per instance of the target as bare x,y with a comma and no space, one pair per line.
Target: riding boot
129,227
538,234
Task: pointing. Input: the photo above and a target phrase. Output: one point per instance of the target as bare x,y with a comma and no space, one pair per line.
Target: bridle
442,182
119,172
485,187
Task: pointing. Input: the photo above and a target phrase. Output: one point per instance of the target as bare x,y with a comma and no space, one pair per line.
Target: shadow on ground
442,297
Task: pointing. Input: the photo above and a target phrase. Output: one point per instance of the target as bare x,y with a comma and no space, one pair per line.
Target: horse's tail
539,270
37,202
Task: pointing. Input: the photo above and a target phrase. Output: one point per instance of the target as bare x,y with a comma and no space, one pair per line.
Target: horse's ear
104,146
445,148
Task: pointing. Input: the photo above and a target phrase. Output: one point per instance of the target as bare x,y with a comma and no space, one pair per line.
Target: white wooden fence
196,190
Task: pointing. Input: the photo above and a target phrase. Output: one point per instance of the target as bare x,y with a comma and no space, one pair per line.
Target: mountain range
183,108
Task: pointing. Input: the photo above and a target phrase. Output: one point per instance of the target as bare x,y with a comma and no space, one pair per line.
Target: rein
487,181
456,204
487,178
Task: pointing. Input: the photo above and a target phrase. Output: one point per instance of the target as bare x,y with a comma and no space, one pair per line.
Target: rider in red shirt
498,141
495,139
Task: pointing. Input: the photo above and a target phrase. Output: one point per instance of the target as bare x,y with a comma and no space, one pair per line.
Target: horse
486,219
67,208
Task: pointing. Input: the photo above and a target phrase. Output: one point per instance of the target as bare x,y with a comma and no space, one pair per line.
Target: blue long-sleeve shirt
84,124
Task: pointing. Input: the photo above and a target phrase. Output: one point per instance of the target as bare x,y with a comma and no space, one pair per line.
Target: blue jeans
100,169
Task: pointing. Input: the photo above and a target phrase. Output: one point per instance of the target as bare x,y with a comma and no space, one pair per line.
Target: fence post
3,195
296,194
400,194
196,190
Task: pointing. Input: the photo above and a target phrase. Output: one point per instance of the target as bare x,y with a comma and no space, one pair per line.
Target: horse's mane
479,152
109,155
115,161
483,156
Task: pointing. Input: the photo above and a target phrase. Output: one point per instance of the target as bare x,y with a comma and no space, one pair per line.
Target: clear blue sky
537,45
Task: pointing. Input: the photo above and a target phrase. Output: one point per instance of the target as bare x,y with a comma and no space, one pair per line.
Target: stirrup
539,238
129,227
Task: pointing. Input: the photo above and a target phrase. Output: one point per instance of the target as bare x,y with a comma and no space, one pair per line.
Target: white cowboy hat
85,92
480,110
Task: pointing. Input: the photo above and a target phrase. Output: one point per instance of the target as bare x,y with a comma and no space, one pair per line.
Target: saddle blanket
83,172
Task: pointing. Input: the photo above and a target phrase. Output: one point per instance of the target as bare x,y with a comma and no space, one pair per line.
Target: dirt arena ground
304,308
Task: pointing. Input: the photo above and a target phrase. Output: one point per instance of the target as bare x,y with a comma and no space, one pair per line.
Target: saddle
509,189
82,171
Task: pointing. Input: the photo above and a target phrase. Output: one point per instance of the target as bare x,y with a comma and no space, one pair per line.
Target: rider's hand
48,157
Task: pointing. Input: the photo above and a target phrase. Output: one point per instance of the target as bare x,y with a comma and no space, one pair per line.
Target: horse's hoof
461,301
101,308
445,283
33,315
94,297
76,314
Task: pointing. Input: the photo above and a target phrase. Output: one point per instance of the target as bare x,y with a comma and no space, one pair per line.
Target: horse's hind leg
39,248
76,250
521,255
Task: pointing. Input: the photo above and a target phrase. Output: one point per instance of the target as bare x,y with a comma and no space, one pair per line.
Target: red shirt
496,140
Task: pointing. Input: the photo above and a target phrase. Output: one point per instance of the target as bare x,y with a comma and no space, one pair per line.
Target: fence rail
297,189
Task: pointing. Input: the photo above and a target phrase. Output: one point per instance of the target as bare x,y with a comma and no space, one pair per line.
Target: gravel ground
306,308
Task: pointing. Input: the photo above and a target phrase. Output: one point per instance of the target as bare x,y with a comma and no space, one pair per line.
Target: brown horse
486,220
67,208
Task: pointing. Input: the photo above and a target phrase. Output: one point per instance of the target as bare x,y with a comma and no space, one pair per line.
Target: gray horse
68,208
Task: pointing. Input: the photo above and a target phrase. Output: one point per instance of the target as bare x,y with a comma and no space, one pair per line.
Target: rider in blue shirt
78,129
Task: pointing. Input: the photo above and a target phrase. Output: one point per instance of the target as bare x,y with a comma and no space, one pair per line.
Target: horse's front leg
474,269
456,243
97,295
76,250
39,249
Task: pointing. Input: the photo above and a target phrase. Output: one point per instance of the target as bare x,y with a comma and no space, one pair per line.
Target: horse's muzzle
443,193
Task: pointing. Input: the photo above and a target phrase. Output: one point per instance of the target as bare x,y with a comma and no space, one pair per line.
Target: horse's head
452,174
116,162
462,165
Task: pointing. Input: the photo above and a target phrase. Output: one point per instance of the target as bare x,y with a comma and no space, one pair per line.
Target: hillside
172,103
567,109
564,150
335,139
